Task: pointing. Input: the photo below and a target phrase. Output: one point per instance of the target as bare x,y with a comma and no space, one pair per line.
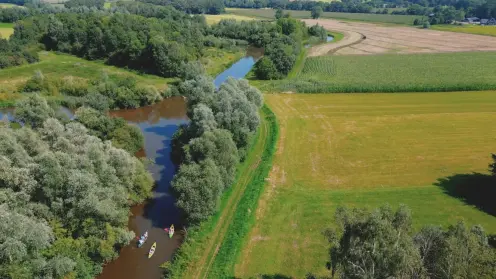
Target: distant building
488,22
471,20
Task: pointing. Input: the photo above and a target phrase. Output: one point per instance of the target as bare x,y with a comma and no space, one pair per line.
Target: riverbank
217,242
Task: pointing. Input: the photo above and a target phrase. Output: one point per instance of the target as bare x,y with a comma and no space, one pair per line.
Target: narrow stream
158,123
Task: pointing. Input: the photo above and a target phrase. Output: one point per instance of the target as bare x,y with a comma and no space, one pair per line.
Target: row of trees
382,244
213,7
64,196
479,8
208,150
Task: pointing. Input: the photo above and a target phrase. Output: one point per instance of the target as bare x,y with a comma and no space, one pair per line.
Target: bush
426,25
265,69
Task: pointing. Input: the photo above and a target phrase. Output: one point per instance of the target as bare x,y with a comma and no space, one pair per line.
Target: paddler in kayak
170,231
143,238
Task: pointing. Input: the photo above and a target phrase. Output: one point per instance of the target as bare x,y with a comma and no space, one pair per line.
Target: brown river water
158,124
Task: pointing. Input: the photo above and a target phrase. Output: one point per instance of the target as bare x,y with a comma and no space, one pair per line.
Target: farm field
62,65
212,19
6,29
472,29
397,39
378,18
365,150
390,73
8,5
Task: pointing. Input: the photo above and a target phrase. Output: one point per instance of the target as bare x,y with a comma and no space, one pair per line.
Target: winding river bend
158,123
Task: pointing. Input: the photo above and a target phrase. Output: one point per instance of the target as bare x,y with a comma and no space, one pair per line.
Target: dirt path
397,39
200,268
350,38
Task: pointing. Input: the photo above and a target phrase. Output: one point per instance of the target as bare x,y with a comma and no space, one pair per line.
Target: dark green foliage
381,245
84,3
279,13
318,31
12,54
33,111
121,134
213,7
265,69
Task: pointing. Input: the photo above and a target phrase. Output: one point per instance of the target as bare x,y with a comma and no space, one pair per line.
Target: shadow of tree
475,189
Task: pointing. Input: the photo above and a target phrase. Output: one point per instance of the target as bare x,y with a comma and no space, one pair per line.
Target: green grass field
6,29
377,18
62,65
8,5
472,29
391,73
364,150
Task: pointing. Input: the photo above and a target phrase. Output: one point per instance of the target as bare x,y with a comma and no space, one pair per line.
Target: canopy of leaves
380,244
64,198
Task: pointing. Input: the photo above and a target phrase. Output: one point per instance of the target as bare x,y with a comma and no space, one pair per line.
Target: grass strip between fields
198,254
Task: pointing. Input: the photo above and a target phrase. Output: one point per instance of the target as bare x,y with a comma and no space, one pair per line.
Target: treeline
208,149
64,196
213,7
479,8
84,3
156,46
12,54
381,244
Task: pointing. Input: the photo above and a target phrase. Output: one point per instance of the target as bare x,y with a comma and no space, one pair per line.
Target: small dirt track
396,39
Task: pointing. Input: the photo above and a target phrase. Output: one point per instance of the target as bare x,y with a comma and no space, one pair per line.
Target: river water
158,123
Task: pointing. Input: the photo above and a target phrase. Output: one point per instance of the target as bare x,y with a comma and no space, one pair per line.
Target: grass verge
212,19
198,252
366,150
217,60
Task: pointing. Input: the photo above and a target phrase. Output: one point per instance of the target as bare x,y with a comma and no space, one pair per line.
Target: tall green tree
317,12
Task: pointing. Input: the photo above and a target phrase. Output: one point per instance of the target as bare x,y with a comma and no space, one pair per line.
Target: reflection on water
158,124
241,68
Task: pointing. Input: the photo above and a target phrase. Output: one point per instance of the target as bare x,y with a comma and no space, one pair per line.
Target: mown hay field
471,29
365,150
392,73
6,29
378,18
212,19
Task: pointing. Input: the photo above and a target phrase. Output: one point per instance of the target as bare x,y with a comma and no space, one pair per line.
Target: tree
374,245
33,110
197,188
219,146
279,13
265,69
316,12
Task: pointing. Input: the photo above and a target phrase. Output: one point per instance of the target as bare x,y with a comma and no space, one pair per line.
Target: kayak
142,240
152,250
171,231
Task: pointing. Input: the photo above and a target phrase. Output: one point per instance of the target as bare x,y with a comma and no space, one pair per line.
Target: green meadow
391,73
365,150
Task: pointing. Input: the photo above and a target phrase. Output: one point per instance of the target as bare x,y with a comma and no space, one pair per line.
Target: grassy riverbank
366,150
205,251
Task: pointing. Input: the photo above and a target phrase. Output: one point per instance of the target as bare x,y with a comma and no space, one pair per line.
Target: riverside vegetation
65,196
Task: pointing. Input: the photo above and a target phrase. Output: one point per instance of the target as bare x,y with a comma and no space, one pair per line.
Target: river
158,123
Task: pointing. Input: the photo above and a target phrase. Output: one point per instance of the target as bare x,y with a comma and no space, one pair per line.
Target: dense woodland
383,244
64,196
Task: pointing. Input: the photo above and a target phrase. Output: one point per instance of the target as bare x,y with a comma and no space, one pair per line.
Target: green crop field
212,19
472,29
6,29
378,18
62,65
365,150
392,73
8,5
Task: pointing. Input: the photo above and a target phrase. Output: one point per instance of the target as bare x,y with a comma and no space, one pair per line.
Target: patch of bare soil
396,39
